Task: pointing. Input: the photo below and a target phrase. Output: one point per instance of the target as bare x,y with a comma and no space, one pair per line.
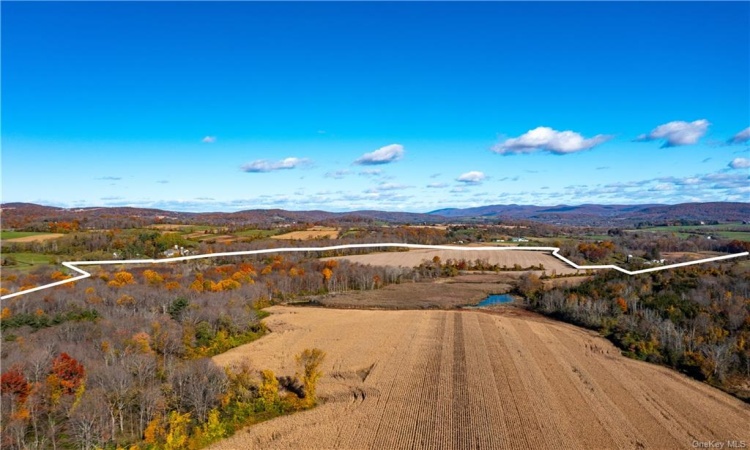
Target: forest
695,319
121,359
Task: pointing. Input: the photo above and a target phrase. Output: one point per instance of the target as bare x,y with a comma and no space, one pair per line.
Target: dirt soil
170,226
687,256
471,379
312,233
524,258
36,238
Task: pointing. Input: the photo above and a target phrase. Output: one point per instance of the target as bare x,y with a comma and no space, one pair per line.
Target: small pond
495,300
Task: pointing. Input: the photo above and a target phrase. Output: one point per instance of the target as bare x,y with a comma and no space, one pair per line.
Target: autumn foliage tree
15,390
596,251
269,389
152,277
68,373
529,285
309,362
13,383
122,278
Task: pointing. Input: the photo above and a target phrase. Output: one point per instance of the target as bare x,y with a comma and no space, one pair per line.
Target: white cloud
391,186
209,139
741,137
740,163
264,165
547,139
370,172
677,133
382,187
339,174
437,185
383,155
661,187
473,177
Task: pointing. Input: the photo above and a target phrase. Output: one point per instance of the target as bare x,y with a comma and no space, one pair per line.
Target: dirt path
451,379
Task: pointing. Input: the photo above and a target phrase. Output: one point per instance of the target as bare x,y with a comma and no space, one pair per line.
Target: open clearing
179,227
507,258
687,256
28,259
468,379
438,294
7,234
36,237
312,233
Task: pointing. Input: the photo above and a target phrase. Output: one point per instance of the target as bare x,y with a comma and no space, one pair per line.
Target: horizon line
74,208
72,264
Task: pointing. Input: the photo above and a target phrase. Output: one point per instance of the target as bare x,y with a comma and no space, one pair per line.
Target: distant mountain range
611,214
14,214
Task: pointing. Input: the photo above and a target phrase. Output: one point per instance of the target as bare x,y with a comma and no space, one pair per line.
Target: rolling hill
15,215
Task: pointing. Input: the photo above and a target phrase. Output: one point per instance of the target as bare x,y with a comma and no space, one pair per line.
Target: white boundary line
73,264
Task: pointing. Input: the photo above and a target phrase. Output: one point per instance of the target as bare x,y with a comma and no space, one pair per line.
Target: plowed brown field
36,238
312,233
466,379
524,258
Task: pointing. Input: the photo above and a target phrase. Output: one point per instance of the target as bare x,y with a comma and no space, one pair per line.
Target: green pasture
700,228
256,233
734,235
5,234
28,259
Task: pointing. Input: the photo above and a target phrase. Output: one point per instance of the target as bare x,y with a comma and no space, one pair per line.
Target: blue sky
398,106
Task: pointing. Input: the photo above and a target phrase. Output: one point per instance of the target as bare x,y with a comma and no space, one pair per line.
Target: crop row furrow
488,427
384,374
679,415
393,417
580,375
460,438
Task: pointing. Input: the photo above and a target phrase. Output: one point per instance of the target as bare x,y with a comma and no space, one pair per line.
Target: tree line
136,342
695,319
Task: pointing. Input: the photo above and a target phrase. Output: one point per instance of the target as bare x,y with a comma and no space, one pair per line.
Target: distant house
176,251
519,239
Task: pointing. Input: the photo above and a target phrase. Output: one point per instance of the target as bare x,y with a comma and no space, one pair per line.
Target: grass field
32,237
738,235
20,234
735,230
732,231
723,226
468,379
183,228
256,233
29,259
